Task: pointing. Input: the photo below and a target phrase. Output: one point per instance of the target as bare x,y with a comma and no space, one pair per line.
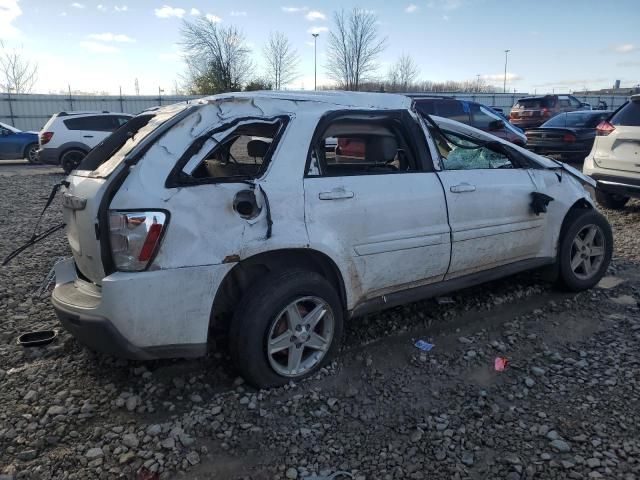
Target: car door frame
524,164
361,300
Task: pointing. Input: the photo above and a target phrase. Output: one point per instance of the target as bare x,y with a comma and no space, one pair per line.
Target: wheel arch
245,273
67,147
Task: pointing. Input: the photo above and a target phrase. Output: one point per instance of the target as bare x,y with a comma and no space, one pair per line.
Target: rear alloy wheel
31,153
585,250
286,327
71,159
611,200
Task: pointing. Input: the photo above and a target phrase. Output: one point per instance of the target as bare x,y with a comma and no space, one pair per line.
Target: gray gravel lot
565,407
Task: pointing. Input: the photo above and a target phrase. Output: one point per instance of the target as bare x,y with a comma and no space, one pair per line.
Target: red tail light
45,137
135,237
604,128
569,137
545,112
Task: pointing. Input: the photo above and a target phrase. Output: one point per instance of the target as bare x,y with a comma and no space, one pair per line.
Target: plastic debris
48,279
500,364
424,346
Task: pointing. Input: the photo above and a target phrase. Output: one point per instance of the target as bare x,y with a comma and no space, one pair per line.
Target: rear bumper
50,156
625,186
141,315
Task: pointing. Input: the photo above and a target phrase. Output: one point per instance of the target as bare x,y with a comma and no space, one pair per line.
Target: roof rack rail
67,114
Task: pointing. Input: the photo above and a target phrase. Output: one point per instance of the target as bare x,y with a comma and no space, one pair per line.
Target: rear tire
70,160
31,153
265,342
585,250
611,200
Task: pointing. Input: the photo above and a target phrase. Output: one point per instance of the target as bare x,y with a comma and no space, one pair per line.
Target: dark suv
470,113
531,112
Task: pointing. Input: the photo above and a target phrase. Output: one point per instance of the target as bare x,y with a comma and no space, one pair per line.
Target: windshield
586,119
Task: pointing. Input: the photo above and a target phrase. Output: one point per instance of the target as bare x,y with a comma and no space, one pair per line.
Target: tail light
546,112
135,238
45,137
569,137
604,128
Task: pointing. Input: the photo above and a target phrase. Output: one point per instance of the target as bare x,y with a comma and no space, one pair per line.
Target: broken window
242,153
360,147
462,153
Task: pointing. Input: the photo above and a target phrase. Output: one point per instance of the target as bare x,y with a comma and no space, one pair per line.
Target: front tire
71,159
287,326
611,200
31,153
585,250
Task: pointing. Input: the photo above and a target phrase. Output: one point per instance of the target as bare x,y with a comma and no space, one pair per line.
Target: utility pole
137,87
478,83
315,60
504,86
160,90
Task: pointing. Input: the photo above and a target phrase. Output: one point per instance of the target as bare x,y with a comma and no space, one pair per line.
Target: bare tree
403,73
17,74
282,60
354,47
217,57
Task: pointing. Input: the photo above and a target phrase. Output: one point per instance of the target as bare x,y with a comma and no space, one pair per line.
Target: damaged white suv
234,213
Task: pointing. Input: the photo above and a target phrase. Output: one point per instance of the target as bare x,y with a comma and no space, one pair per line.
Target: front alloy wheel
587,252
300,336
585,249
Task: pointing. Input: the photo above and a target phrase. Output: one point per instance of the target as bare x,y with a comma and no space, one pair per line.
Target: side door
489,199
378,209
7,143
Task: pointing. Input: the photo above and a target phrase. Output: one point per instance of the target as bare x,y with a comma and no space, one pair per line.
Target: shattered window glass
462,154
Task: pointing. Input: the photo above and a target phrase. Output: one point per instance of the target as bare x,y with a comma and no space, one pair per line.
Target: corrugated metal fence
31,111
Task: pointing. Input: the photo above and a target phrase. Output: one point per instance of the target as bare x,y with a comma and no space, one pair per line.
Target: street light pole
504,86
478,83
315,59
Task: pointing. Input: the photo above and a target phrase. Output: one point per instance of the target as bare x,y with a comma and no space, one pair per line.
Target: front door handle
88,136
463,187
335,194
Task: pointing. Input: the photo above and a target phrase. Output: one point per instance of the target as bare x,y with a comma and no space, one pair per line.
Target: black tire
70,160
611,200
31,153
260,308
576,223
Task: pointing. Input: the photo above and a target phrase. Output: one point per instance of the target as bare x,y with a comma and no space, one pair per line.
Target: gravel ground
565,407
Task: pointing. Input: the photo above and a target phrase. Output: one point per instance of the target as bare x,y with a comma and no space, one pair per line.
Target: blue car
16,145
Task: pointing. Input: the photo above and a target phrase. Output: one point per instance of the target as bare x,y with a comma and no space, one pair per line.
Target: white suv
68,136
614,160
231,213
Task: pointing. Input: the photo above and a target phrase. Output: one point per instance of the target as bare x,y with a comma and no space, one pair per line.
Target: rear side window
454,110
627,116
96,123
362,147
535,103
242,154
483,118
585,120
557,121
426,107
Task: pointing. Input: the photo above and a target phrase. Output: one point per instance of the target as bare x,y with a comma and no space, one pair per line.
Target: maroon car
531,112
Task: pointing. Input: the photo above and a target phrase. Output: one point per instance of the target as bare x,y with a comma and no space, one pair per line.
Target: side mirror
496,125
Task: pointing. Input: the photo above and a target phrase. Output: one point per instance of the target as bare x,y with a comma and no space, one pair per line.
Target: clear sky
100,45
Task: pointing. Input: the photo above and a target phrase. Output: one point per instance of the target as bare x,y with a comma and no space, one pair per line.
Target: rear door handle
88,136
335,194
463,187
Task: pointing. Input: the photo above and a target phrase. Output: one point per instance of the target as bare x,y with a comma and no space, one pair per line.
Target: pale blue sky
99,45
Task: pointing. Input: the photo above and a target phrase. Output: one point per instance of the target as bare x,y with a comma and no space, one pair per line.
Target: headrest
257,148
381,149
